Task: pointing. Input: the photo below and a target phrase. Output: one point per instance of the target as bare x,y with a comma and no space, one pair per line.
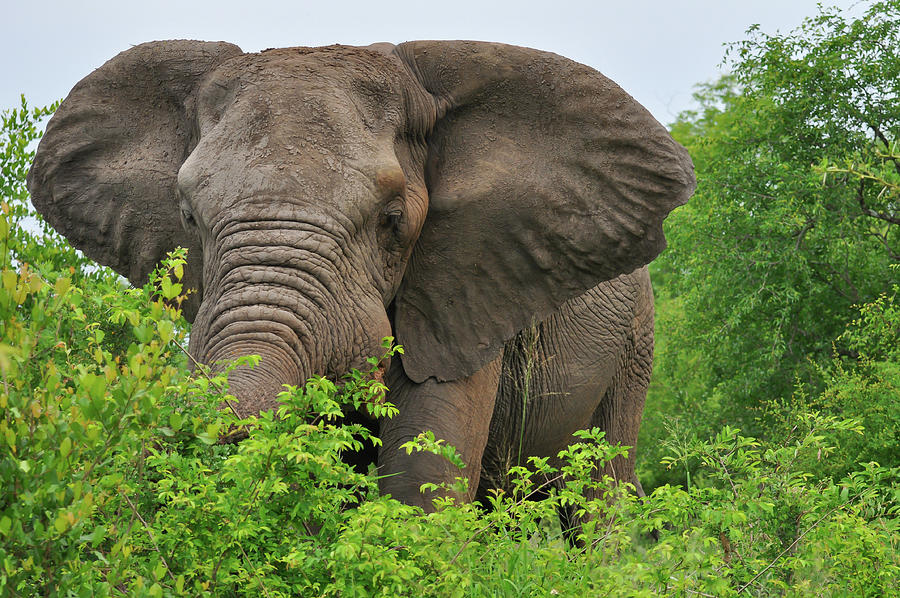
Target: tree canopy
794,224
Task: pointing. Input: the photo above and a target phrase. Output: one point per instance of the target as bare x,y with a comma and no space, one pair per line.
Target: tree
796,219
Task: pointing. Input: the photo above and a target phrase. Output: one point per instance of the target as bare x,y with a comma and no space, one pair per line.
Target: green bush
794,229
114,483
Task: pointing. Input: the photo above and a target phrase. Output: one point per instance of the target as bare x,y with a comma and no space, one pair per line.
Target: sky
657,50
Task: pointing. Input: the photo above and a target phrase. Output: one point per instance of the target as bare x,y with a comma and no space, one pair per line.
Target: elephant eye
188,217
393,218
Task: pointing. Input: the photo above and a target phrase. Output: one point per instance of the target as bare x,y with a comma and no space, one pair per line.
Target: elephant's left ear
544,179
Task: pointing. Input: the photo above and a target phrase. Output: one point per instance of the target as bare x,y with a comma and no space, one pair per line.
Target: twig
489,524
785,551
200,367
254,493
883,240
806,228
727,475
149,533
255,571
887,146
869,211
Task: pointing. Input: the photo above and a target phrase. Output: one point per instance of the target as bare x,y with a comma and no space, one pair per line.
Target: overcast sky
656,49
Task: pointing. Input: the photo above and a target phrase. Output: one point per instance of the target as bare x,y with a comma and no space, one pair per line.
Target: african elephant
490,206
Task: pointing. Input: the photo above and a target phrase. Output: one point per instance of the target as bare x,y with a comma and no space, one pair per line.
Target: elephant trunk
291,361
256,388
282,296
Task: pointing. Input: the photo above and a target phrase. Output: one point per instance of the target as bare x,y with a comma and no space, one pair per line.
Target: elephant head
445,193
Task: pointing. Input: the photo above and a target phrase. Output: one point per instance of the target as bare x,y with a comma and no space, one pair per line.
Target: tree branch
869,211
887,146
806,228
883,240
783,552
203,372
150,534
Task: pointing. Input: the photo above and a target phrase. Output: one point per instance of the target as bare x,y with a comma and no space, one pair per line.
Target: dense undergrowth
113,483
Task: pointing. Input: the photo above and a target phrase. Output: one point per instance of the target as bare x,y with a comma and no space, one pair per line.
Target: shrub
114,482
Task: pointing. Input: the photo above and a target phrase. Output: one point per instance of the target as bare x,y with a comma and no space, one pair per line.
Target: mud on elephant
469,199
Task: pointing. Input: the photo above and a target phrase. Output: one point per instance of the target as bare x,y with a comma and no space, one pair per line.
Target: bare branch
884,241
744,587
203,371
806,228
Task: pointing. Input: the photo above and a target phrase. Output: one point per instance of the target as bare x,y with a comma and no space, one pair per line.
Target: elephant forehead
372,81
314,126
304,104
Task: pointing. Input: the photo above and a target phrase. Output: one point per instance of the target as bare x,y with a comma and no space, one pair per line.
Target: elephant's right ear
105,171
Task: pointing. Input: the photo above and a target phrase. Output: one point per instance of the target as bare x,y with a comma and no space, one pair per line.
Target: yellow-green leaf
166,330
10,278
5,525
62,523
62,285
65,447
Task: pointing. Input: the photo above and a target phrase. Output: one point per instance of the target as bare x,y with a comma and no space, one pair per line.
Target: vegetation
783,264
114,483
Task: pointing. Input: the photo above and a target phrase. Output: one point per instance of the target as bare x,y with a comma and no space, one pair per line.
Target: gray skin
491,207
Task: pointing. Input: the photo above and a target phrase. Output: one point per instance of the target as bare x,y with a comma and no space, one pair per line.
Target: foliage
794,226
115,482
864,385
20,128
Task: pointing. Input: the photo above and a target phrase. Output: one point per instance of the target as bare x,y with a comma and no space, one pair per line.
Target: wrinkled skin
492,207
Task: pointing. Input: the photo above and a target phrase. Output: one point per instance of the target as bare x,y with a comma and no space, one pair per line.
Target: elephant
492,207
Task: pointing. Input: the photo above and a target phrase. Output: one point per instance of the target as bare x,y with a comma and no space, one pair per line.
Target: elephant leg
620,411
459,412
619,415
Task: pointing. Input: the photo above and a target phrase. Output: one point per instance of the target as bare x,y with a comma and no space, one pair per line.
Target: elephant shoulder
601,321
614,302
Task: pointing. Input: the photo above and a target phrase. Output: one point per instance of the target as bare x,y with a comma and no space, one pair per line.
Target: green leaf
95,385
98,535
175,420
166,330
65,447
62,285
169,289
61,523
143,333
